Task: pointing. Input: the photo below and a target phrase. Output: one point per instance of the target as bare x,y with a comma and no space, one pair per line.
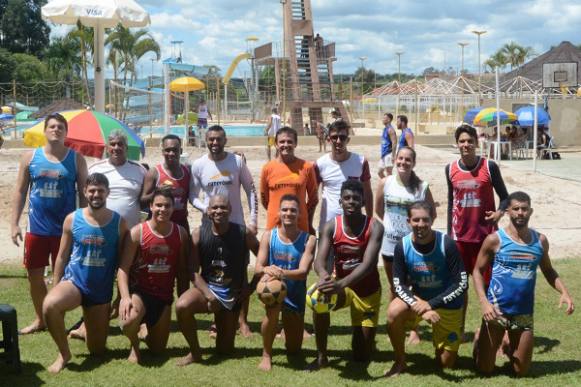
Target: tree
7,65
64,60
515,54
29,69
22,29
129,47
84,38
497,60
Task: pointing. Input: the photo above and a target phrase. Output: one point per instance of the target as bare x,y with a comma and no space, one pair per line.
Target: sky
428,32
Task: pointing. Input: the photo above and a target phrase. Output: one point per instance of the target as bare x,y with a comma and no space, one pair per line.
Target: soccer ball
319,302
271,291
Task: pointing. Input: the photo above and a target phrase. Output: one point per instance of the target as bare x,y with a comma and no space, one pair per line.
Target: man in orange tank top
355,240
154,254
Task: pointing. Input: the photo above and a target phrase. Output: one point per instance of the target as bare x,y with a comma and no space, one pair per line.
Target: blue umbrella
6,116
470,114
526,116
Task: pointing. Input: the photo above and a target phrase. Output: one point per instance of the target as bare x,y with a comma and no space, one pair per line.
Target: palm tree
516,54
84,37
129,47
64,61
497,60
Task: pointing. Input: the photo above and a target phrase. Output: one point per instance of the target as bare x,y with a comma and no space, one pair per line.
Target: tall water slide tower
304,75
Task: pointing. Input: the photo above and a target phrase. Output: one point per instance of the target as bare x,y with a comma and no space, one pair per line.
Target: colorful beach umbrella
526,116
487,117
88,133
470,114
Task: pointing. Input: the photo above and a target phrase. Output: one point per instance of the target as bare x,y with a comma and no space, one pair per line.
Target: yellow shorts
447,333
364,310
270,141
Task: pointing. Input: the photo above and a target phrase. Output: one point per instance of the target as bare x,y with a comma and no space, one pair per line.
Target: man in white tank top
274,124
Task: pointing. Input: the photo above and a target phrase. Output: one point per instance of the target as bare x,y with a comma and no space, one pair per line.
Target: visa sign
94,12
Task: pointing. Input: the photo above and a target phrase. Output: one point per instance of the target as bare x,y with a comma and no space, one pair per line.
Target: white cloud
173,21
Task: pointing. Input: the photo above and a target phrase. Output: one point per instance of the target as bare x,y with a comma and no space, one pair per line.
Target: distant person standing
171,174
55,175
321,132
388,148
407,136
272,128
203,114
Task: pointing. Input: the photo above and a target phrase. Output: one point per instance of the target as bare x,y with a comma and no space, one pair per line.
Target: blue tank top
386,145
429,273
287,256
94,257
52,192
402,140
514,274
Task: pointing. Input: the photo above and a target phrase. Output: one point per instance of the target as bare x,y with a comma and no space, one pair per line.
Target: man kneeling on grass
515,252
84,271
429,280
154,254
220,252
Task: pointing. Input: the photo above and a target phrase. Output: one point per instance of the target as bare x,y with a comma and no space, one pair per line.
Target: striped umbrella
470,114
88,133
487,117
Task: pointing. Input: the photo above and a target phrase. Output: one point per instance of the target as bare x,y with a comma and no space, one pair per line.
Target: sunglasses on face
341,137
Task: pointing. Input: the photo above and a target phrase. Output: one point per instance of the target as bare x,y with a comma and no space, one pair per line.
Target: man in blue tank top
55,175
286,253
514,252
84,271
220,253
406,137
429,280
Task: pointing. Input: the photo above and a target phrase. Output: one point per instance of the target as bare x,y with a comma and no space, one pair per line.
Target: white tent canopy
99,14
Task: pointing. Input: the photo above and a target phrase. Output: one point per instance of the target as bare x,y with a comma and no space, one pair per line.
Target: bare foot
317,364
189,359
142,334
78,333
396,370
134,356
280,335
265,363
212,331
306,334
60,363
414,338
245,330
36,326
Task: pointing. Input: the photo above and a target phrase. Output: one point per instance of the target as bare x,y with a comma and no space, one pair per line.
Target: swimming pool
231,130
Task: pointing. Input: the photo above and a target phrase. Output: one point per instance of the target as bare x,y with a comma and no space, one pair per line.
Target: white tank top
203,111
275,125
397,198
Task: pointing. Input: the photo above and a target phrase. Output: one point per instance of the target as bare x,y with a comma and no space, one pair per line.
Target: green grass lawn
557,354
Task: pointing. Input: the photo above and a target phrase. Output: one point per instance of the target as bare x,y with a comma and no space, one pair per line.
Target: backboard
557,75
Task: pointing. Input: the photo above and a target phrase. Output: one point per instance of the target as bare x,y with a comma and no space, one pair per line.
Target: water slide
233,66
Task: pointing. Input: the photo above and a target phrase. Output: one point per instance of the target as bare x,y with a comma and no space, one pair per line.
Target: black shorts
387,258
154,307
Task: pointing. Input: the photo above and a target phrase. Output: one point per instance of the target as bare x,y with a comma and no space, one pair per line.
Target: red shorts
469,253
37,249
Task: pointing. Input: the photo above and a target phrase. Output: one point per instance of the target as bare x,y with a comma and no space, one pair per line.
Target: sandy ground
556,201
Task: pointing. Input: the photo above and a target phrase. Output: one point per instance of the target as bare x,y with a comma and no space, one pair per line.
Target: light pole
362,59
479,33
399,54
462,45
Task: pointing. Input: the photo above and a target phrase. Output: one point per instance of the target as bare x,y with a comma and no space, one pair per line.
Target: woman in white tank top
395,193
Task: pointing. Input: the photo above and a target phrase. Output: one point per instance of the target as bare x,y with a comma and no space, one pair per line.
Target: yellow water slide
233,66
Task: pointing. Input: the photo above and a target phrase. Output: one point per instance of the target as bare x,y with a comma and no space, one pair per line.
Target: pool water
231,130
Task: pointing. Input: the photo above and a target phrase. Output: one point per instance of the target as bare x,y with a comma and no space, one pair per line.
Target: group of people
103,236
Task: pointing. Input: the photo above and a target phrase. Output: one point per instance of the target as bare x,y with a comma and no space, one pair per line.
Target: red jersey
181,192
154,270
349,254
473,197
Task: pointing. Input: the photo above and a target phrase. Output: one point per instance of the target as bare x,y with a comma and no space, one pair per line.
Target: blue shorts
88,299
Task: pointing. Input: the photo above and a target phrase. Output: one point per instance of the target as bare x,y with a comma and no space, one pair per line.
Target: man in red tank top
172,174
355,240
153,256
472,214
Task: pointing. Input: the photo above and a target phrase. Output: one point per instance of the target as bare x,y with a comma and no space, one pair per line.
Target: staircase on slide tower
310,81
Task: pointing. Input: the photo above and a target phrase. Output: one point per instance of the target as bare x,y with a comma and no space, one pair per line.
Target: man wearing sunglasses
340,165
